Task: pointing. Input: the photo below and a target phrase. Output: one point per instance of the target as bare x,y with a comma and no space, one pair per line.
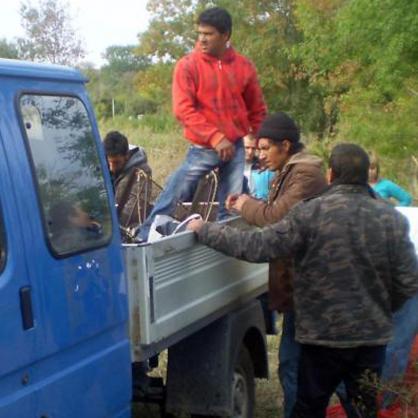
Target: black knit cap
279,127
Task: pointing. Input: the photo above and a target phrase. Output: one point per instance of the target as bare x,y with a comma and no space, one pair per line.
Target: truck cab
65,348
80,312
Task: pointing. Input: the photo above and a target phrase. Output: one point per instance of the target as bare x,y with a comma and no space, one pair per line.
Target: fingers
226,154
239,203
195,225
225,150
230,201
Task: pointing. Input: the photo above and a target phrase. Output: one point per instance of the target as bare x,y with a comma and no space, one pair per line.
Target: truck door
77,362
17,331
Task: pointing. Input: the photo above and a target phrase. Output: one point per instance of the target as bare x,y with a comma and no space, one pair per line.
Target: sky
98,23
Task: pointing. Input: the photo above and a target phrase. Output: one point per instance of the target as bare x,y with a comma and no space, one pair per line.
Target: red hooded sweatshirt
215,98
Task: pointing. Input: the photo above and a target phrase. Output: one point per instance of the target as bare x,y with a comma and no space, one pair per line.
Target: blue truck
83,315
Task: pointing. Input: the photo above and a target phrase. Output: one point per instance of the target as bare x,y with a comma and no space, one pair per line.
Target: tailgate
177,286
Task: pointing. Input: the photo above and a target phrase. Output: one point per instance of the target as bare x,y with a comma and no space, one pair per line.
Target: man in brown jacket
131,176
299,176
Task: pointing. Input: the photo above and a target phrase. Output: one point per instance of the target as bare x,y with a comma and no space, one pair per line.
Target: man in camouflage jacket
354,266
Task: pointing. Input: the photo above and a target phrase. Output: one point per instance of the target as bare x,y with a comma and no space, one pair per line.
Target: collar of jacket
340,188
228,56
302,157
137,157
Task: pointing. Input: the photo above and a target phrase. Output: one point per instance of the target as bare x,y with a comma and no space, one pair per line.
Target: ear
287,145
330,175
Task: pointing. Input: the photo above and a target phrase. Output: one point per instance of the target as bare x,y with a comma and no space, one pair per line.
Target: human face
116,163
273,155
250,147
373,174
211,41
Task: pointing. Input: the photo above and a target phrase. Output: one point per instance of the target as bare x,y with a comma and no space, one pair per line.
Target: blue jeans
405,328
289,353
182,184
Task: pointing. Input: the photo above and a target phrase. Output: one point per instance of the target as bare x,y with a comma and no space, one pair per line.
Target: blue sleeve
262,181
398,193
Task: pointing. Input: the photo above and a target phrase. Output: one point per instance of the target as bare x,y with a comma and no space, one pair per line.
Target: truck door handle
25,294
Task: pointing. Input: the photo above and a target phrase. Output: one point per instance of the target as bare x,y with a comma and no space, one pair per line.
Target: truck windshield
71,187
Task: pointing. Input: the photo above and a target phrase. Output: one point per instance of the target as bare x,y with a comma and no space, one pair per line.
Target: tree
363,56
263,30
50,36
8,49
171,31
123,58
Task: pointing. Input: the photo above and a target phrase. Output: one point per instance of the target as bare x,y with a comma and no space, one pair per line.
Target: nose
202,38
113,167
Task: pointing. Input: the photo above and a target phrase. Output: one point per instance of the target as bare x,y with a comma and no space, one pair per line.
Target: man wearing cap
299,176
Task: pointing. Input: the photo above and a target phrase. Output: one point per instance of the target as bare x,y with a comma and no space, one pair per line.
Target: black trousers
322,368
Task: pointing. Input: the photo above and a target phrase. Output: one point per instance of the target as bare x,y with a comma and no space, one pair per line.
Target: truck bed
177,286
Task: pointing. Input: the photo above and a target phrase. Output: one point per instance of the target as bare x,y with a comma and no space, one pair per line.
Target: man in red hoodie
218,100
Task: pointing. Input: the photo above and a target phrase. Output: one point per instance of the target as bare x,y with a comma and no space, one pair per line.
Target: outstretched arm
280,240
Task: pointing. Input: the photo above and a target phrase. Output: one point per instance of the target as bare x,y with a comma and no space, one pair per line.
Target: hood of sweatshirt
137,157
228,56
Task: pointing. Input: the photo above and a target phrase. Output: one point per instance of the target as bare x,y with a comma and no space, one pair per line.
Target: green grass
162,138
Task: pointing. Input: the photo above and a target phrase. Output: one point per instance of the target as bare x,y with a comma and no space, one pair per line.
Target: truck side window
71,187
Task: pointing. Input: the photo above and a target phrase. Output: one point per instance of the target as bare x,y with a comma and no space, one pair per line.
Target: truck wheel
243,388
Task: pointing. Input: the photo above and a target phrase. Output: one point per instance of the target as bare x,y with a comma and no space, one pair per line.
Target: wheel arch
255,343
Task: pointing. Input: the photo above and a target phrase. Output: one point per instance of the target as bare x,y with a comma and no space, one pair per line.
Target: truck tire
243,388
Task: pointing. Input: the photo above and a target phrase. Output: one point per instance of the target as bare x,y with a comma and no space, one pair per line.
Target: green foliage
346,70
49,34
114,84
171,31
8,49
362,57
154,84
123,59
262,30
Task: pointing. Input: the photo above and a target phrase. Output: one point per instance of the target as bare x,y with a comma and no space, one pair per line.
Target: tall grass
161,136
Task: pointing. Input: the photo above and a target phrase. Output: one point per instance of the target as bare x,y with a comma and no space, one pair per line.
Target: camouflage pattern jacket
300,178
354,264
